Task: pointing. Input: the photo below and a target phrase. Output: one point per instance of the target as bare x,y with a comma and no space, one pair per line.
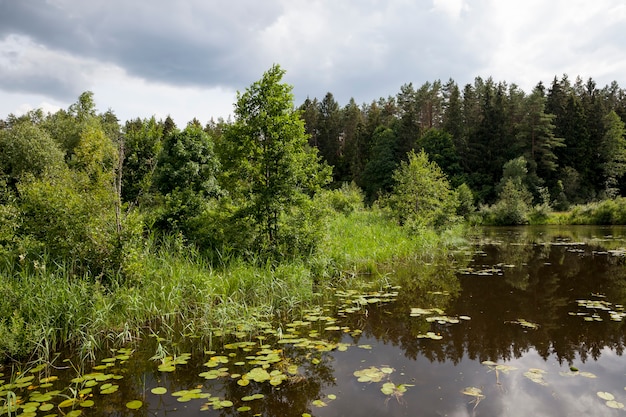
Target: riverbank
46,308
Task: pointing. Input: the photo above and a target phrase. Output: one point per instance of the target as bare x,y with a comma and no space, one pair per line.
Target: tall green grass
606,212
366,241
171,289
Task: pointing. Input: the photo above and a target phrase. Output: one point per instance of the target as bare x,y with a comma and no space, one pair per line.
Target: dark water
545,304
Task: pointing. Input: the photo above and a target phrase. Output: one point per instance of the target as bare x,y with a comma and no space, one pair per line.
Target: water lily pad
605,395
134,405
319,403
536,375
525,323
158,390
430,335
46,407
244,408
68,403
109,390
86,403
615,404
371,374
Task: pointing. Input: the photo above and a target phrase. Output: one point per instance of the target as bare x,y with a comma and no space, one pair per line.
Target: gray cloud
353,48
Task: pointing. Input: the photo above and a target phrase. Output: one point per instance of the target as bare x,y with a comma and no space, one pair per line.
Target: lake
522,322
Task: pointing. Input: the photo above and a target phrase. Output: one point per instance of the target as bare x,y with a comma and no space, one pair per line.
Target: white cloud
453,8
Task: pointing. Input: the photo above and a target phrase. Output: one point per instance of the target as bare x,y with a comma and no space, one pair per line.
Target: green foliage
66,126
345,200
439,146
71,218
185,177
142,145
422,195
71,213
270,172
514,202
606,212
536,133
25,149
466,201
613,152
377,174
187,161
513,205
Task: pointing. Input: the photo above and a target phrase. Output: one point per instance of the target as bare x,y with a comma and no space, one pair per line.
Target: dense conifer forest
571,134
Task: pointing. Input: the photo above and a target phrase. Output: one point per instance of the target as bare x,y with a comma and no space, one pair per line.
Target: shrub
347,199
422,195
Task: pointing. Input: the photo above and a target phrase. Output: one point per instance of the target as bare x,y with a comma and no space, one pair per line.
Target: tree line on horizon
571,135
77,184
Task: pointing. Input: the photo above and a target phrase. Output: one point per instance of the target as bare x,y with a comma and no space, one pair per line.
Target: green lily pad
158,390
319,403
46,407
110,390
68,403
134,405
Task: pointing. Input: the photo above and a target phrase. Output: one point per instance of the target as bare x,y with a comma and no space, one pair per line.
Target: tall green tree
536,135
270,172
185,177
378,173
142,145
352,135
330,131
613,152
439,146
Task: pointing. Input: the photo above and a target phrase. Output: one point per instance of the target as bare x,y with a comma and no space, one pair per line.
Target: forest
95,209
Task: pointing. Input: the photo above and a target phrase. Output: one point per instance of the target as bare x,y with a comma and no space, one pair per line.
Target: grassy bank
45,308
606,212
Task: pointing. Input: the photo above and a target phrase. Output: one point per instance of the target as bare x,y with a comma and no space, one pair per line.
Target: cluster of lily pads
592,308
264,361
375,374
34,390
610,400
537,376
524,323
435,315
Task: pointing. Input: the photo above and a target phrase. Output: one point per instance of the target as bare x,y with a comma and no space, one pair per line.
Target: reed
171,289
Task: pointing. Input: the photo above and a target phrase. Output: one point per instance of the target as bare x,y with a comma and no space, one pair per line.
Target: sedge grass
171,289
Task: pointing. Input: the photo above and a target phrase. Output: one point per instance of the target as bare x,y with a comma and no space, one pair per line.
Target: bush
466,201
512,208
422,195
605,212
347,199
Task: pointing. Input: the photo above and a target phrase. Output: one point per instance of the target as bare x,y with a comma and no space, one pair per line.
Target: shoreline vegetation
109,233
49,309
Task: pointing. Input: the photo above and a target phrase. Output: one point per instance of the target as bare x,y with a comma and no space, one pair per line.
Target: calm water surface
530,322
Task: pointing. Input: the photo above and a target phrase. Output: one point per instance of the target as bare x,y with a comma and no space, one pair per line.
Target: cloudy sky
187,58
